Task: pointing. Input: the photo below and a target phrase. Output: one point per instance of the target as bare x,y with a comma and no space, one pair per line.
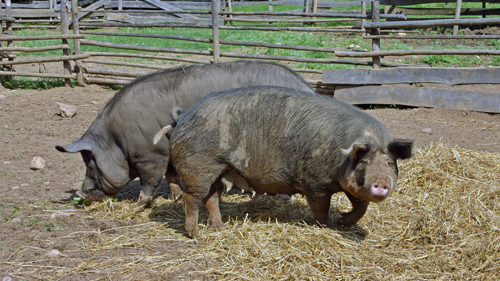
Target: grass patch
32,84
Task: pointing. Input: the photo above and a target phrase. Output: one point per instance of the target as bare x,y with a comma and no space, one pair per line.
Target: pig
281,140
118,147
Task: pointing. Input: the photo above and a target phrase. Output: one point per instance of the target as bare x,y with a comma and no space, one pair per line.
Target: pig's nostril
381,184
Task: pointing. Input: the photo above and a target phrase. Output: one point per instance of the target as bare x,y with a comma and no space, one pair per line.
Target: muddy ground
30,227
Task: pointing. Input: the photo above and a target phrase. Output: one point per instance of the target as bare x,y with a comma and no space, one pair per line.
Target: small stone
7,278
37,163
352,46
401,33
15,220
427,130
46,183
2,97
66,110
53,253
15,187
59,214
25,185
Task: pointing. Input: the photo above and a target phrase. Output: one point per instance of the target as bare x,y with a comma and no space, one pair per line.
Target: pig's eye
362,163
391,164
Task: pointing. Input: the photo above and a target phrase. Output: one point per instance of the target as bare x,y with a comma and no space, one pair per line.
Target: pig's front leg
358,210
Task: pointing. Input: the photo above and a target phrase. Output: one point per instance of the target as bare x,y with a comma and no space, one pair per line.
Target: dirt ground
36,211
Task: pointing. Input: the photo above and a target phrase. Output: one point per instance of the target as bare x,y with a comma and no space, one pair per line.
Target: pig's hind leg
212,204
200,188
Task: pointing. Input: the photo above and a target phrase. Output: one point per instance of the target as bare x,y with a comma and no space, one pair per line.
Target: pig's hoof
219,225
192,232
346,221
144,201
175,192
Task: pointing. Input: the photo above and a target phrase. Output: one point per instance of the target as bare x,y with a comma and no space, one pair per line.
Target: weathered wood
312,60
417,2
324,15
143,48
64,31
215,30
114,72
145,56
432,36
46,59
107,81
90,8
450,76
168,7
440,11
417,52
34,13
116,24
298,29
122,63
420,96
431,23
457,16
40,37
34,49
41,75
76,42
152,19
376,42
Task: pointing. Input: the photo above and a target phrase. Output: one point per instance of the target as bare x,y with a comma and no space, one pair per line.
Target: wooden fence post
65,31
457,16
8,12
230,9
215,30
376,42
76,30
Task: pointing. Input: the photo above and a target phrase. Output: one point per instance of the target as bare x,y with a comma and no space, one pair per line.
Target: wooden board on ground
420,96
450,76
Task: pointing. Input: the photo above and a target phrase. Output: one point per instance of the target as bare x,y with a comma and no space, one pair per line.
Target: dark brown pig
117,147
280,140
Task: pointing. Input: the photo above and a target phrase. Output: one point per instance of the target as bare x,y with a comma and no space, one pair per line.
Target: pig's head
104,176
370,172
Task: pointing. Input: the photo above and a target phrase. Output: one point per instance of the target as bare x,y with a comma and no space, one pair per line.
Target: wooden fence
367,87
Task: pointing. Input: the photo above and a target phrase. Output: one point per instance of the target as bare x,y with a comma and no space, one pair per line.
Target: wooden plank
115,72
35,49
416,52
145,56
152,19
450,76
90,8
41,75
143,48
418,2
40,37
122,63
431,23
420,96
438,11
34,13
107,81
46,59
168,7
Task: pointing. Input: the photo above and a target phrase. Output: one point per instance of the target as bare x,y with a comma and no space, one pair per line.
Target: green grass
34,83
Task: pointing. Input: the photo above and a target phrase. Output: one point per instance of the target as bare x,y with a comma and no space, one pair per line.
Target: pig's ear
401,149
357,150
77,146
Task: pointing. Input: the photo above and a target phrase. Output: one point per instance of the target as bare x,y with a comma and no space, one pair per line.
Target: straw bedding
443,223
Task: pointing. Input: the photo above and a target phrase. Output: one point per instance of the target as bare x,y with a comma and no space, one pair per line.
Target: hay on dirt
443,222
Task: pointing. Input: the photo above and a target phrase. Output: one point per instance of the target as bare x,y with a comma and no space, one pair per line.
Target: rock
66,110
59,214
14,220
37,163
15,187
53,253
2,97
7,278
25,185
427,130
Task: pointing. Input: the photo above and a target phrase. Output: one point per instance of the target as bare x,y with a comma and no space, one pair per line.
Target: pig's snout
380,189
